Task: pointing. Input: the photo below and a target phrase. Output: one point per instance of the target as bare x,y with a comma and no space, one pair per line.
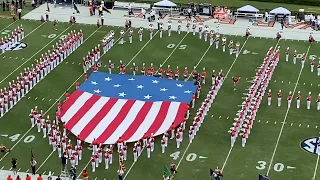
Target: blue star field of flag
143,88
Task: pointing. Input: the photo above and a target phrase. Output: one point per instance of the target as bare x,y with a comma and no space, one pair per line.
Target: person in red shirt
85,175
39,177
28,177
85,76
289,99
309,99
269,97
235,82
77,85
9,177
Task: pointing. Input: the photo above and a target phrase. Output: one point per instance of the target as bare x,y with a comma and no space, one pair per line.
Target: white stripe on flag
85,120
128,120
147,122
107,120
170,117
74,108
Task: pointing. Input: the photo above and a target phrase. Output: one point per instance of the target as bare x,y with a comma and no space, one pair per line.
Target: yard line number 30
27,139
278,167
183,46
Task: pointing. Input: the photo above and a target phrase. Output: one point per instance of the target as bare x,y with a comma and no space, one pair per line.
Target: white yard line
285,117
34,30
156,72
204,54
316,168
230,150
7,26
49,107
34,54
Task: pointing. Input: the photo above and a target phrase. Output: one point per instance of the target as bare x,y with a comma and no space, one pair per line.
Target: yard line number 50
51,36
27,139
278,167
183,46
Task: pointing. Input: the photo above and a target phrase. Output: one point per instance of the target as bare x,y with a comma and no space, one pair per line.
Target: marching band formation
8,42
18,88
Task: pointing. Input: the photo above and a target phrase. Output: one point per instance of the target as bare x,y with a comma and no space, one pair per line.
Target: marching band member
309,99
230,46
177,73
217,39
279,98
140,32
205,33
287,54
135,152
148,146
169,28
303,60
130,36
318,102
318,69
106,160
295,57
121,36
248,33
134,68
179,26
203,76
298,100
269,97
213,77
312,63
163,145
279,34
237,49
211,37
200,30
161,29
194,26
224,41
124,150
218,28
93,163
289,99
110,66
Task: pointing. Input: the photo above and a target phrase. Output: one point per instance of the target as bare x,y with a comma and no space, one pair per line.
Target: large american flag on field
109,106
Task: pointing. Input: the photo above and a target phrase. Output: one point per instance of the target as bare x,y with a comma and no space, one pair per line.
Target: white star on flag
97,91
94,83
172,97
163,89
188,91
147,96
107,79
140,86
131,79
122,94
155,81
179,85
116,85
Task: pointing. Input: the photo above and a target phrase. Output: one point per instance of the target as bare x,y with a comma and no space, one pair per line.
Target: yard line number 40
190,157
278,167
27,139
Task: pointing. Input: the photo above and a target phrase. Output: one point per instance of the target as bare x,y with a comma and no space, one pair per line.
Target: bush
298,2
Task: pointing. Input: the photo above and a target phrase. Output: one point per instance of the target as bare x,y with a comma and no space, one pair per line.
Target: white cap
269,90
288,48
279,91
204,68
168,66
309,93
151,64
120,61
290,92
49,173
143,64
298,92
177,67
48,116
213,71
134,64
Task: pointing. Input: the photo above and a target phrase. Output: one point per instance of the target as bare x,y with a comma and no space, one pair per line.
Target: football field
281,143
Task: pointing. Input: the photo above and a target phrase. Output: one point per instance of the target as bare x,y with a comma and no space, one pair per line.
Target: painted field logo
17,46
310,145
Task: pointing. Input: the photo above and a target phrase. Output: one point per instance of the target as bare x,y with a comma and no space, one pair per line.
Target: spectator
33,164
9,177
14,163
28,177
18,178
58,178
85,175
266,14
33,4
19,11
3,6
39,177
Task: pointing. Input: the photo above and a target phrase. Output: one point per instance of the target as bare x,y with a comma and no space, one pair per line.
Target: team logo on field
17,46
310,145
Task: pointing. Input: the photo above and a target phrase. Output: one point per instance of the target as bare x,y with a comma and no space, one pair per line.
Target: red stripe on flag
97,118
72,99
137,121
180,114
161,116
82,111
116,121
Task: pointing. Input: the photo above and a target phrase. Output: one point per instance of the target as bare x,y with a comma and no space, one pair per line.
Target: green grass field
272,148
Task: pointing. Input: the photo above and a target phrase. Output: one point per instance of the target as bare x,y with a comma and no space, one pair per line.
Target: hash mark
19,169
311,84
67,62
79,64
219,117
22,58
275,122
275,80
50,100
228,117
281,81
29,97
267,122
10,57
308,126
316,126
27,170
259,120
4,57
36,98
16,57
43,99
291,124
289,82
10,169
304,83
299,125
2,167
72,62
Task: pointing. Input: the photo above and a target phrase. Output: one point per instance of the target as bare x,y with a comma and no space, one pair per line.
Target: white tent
165,3
248,8
280,10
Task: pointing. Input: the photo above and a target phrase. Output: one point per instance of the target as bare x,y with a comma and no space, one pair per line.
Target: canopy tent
165,3
280,10
248,8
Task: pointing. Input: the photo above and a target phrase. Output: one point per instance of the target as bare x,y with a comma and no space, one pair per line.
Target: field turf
272,147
